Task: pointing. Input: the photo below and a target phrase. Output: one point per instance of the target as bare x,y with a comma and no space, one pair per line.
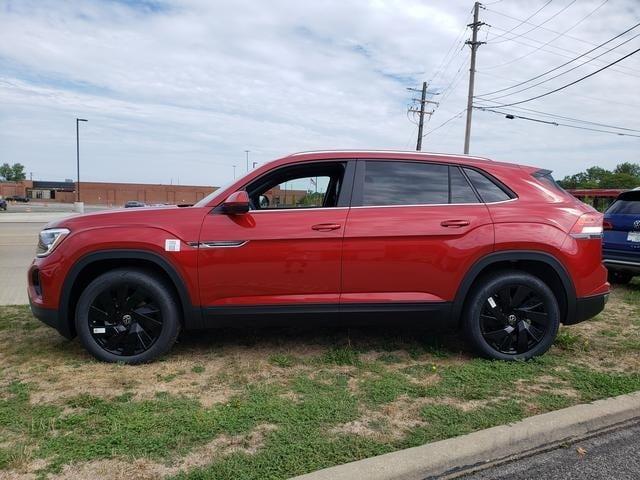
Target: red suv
496,249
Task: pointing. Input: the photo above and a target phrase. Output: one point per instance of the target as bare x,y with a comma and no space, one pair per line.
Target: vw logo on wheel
636,225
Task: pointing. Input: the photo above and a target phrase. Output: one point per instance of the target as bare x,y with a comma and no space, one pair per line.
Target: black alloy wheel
125,320
128,315
514,320
511,315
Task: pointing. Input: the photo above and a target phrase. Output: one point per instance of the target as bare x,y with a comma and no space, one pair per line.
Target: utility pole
78,120
421,111
474,44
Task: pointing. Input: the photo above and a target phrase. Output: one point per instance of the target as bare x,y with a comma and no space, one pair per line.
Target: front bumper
587,307
51,317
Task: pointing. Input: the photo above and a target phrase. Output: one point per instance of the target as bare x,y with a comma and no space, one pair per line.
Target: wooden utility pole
421,112
474,44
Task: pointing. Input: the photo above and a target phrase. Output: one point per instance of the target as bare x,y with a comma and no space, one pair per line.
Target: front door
286,251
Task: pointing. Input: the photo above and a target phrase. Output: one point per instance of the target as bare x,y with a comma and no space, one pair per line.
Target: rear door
413,230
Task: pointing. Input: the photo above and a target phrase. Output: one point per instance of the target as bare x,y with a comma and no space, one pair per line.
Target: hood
163,217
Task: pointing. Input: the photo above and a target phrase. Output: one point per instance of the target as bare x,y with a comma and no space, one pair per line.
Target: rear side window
414,183
461,191
405,183
488,190
625,207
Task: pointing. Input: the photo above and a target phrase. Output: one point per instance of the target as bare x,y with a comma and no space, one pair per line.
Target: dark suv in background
621,245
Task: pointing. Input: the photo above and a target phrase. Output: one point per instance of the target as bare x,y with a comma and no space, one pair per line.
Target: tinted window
625,207
461,191
405,183
489,191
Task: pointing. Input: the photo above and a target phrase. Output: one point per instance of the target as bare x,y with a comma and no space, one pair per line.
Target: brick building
103,193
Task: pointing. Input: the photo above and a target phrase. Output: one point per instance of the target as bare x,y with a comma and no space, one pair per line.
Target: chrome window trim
435,204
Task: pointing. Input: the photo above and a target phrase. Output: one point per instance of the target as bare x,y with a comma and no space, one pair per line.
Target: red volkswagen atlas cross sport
496,249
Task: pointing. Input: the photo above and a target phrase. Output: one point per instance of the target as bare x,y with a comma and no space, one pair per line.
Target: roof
399,155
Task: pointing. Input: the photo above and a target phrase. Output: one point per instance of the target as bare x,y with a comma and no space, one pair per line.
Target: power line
563,117
522,22
549,42
561,73
564,64
457,115
574,82
573,94
537,26
557,124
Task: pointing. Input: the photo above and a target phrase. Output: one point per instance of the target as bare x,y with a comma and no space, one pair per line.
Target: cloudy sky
177,90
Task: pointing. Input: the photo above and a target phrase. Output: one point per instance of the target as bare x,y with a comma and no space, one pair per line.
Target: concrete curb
33,217
491,445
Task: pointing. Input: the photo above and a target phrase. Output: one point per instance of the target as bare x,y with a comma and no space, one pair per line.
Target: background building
103,193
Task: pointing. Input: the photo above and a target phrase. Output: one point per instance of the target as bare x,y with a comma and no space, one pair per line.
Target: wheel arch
541,264
93,264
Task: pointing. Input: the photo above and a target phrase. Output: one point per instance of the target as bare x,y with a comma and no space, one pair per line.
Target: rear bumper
587,307
621,260
51,317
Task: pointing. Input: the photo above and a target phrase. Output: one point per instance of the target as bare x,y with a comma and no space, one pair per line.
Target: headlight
50,239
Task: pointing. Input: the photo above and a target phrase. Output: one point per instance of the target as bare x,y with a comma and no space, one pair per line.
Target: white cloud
181,89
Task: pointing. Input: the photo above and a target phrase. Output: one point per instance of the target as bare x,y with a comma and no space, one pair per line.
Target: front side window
306,186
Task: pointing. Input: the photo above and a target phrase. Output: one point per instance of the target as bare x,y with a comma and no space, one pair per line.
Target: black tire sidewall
161,294
487,288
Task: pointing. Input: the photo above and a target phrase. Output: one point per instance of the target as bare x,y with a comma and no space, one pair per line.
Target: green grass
283,360
309,408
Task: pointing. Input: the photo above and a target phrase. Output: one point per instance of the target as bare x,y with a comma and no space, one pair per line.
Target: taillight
589,225
607,225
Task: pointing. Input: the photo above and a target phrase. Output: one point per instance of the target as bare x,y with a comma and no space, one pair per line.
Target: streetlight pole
78,120
234,172
247,152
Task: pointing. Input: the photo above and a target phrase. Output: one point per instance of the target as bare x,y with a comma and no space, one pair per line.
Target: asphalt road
615,455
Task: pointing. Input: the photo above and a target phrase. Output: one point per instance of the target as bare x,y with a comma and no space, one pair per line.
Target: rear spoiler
629,195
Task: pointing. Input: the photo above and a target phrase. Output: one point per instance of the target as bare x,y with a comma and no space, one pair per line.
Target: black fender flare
513,256
191,314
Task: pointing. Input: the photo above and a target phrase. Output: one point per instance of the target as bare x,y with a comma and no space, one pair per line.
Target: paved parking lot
17,248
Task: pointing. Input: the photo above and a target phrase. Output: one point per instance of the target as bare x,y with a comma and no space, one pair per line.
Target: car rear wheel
511,316
622,278
127,315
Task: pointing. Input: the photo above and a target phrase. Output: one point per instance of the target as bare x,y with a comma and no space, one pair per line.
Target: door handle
326,227
454,223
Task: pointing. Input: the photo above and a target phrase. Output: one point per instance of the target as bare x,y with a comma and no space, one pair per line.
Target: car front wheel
127,315
511,315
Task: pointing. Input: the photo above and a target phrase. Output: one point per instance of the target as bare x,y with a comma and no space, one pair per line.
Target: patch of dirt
143,469
389,423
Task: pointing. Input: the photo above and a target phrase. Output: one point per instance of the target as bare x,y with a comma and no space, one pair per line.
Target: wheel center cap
512,319
126,320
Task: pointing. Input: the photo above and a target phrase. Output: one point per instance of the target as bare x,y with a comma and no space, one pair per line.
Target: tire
621,278
128,316
511,315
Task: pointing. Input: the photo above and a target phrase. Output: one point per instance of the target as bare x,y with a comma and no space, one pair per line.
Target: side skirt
427,315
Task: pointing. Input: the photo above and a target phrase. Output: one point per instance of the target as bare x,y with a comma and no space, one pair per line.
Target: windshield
214,194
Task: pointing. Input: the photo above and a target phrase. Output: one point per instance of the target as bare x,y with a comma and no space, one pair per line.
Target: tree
12,173
625,175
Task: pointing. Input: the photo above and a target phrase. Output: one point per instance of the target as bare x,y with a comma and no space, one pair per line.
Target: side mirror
236,203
